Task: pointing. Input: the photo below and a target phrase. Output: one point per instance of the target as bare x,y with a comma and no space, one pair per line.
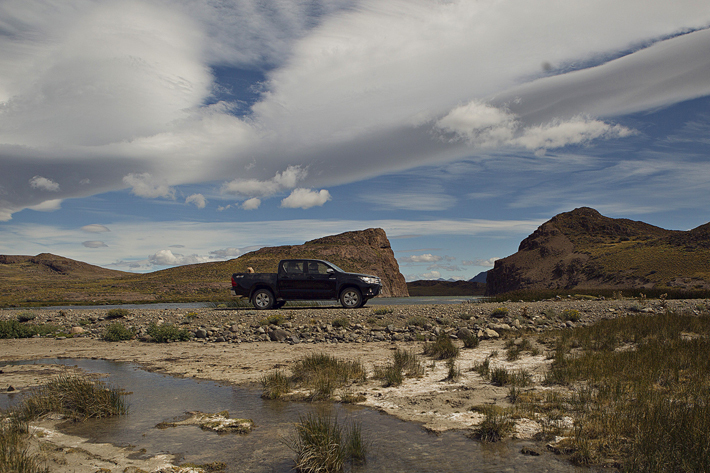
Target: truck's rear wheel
263,299
351,298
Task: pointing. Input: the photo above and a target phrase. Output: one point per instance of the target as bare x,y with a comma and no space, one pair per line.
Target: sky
141,135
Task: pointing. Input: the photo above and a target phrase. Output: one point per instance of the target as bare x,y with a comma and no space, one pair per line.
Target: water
395,446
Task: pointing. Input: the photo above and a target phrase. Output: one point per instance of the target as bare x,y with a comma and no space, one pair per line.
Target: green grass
323,374
341,322
275,385
416,321
116,313
495,426
15,329
117,332
404,364
645,402
168,333
322,445
500,311
76,397
15,456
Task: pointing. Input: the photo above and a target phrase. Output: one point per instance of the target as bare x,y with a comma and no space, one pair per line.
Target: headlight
369,280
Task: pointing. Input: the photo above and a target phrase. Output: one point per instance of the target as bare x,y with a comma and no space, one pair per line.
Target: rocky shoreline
332,324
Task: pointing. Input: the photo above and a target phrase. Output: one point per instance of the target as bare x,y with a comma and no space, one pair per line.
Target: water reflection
395,446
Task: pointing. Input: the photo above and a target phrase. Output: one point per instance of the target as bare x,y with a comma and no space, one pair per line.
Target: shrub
404,364
168,333
116,313
341,322
274,319
275,385
25,316
15,329
77,397
417,321
117,332
500,311
442,348
571,314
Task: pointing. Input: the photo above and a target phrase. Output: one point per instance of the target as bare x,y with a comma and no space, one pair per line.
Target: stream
394,445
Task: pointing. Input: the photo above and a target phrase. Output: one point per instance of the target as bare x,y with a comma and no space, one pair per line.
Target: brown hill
582,249
51,279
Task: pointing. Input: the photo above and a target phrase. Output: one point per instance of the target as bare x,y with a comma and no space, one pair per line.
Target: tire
364,301
263,299
351,298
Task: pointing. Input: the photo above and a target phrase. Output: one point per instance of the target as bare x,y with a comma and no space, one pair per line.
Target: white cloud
222,208
431,275
253,187
486,263
425,258
358,89
47,205
144,185
425,200
305,199
95,228
39,182
197,199
168,258
226,253
95,244
251,204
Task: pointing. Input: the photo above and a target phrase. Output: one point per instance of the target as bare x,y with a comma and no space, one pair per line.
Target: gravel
336,325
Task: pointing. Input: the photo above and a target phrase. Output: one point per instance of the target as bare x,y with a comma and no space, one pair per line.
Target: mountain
445,288
583,249
480,277
51,279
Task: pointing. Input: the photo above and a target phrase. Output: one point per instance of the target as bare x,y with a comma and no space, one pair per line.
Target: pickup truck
305,279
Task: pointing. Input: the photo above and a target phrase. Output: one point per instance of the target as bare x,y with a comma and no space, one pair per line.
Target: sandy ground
431,400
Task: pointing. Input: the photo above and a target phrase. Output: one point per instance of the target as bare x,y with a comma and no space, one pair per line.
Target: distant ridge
583,249
51,279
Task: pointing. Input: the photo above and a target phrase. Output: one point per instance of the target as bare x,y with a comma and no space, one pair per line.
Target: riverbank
232,347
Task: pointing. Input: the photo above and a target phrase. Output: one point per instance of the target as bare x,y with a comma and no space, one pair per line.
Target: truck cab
306,279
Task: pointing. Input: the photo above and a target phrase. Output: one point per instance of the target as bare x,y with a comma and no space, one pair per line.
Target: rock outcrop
366,251
582,249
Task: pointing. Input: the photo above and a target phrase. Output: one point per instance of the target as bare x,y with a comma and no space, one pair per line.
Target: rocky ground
240,346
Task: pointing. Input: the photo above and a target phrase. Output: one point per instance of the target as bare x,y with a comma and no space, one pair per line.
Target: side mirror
330,270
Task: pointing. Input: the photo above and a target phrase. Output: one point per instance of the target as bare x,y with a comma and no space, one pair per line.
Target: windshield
336,268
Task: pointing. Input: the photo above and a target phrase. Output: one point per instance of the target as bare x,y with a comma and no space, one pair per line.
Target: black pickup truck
305,279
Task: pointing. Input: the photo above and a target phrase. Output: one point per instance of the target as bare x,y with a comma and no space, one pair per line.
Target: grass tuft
78,398
442,348
168,333
15,456
117,332
323,446
275,385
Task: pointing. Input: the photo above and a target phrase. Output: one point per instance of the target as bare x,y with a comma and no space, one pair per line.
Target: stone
200,333
278,335
76,330
490,333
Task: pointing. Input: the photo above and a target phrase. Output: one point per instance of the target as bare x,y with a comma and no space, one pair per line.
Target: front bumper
371,290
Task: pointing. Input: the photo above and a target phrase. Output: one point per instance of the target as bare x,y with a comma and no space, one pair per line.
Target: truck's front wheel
351,298
263,299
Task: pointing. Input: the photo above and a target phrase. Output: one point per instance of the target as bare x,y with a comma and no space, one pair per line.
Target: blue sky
138,135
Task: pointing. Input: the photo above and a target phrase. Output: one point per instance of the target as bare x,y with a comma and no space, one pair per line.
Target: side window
293,267
317,268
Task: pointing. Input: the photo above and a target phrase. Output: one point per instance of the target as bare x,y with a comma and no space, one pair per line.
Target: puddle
394,445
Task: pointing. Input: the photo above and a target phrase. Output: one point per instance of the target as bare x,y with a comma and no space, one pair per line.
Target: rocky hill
367,251
583,249
51,279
